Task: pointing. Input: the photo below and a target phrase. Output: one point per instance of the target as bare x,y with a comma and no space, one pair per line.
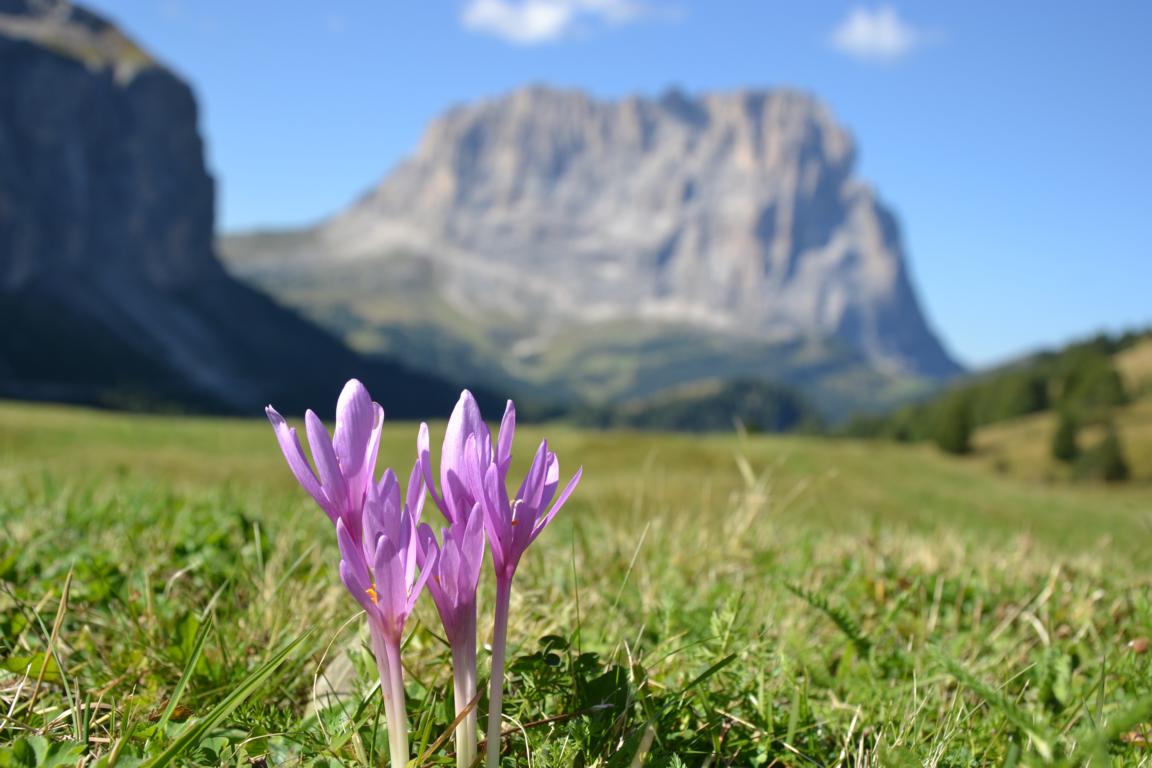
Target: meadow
168,596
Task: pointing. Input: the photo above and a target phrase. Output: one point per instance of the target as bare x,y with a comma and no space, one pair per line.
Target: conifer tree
954,428
1064,443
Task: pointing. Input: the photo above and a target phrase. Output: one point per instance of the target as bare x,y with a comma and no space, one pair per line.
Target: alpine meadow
169,598
575,384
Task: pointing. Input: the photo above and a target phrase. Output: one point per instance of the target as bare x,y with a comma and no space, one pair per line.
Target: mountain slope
110,291
733,217
1091,387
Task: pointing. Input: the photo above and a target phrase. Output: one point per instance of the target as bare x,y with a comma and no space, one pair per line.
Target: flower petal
532,489
391,591
356,423
465,421
568,489
472,550
495,517
326,463
414,591
551,480
507,432
358,589
353,554
416,492
297,462
424,456
426,542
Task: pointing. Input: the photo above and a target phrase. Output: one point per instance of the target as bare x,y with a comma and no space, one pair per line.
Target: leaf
34,666
37,752
839,617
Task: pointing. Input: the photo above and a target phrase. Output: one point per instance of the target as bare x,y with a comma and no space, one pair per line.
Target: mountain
110,290
614,248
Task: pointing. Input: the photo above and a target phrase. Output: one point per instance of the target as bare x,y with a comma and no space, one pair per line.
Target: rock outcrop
110,290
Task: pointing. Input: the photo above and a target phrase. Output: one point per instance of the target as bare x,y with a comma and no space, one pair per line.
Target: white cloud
877,34
532,22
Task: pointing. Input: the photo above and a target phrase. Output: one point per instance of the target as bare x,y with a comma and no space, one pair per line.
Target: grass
168,596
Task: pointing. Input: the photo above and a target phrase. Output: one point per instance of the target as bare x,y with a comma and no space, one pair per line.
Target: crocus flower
457,573
512,524
375,532
346,461
379,568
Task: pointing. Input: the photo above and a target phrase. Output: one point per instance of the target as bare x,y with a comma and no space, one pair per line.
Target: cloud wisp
536,22
878,34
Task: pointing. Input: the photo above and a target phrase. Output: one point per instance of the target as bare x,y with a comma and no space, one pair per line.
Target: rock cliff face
735,214
110,291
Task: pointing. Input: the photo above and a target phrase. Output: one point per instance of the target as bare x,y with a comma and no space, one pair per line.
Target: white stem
387,652
464,688
496,690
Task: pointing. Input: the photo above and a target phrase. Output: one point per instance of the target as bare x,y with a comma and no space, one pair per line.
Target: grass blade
193,659
195,730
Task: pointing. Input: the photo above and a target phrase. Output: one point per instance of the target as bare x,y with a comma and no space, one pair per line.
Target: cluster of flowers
383,544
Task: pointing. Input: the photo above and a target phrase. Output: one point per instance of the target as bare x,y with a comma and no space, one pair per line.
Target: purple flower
512,525
456,572
379,569
345,461
375,531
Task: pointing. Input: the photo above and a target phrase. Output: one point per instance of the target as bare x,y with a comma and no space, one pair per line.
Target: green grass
701,601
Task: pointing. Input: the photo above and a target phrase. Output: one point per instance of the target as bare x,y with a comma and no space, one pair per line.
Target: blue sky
1011,139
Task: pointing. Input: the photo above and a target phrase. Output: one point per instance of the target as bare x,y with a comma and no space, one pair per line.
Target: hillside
605,250
110,289
1022,447
1095,386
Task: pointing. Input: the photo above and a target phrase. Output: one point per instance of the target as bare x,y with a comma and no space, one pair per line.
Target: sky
1011,139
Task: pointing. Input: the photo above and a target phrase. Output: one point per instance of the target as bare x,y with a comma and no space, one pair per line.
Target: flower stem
496,691
463,666
387,652
464,687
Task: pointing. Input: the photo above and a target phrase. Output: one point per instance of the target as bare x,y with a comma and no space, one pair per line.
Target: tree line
1079,383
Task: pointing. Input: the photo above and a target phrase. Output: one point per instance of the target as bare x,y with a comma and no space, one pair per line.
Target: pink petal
507,432
297,462
568,489
424,454
326,463
465,420
352,441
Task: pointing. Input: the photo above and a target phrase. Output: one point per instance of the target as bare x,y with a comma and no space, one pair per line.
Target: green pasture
169,596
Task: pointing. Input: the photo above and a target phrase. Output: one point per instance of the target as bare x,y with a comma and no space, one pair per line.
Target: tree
953,432
1009,395
1064,444
1106,460
1092,386
1113,465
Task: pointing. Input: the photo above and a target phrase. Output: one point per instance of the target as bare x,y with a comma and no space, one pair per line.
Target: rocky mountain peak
736,211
